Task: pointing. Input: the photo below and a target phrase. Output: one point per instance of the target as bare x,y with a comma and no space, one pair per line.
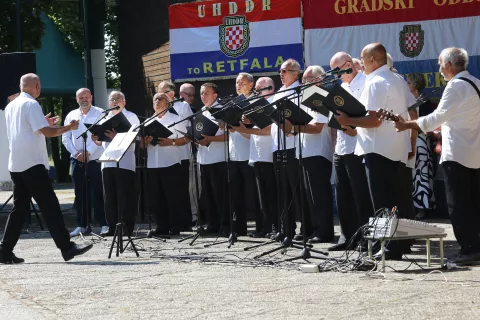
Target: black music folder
203,125
340,99
261,118
232,111
313,98
156,130
118,122
293,113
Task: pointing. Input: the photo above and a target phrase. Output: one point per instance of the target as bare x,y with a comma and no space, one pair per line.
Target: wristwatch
173,142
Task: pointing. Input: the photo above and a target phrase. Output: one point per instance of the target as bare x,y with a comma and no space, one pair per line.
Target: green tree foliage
33,27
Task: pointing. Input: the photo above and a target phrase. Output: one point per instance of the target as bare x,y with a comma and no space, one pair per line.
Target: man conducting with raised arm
27,128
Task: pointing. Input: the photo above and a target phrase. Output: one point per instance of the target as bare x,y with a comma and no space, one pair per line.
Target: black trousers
242,188
382,176
353,198
267,196
214,194
319,197
185,209
462,186
165,197
34,182
287,185
95,192
405,192
119,197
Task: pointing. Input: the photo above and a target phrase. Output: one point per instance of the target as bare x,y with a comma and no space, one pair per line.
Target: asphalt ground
172,280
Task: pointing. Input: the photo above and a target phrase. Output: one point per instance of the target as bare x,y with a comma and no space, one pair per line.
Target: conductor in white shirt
86,113
384,151
458,114
119,196
27,128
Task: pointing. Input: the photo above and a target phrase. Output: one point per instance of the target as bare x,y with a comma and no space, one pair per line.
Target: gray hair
27,80
317,71
458,57
293,63
418,80
116,93
168,84
247,76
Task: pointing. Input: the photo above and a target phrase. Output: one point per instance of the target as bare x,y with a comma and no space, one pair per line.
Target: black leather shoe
76,250
257,234
109,233
338,247
298,237
319,240
9,258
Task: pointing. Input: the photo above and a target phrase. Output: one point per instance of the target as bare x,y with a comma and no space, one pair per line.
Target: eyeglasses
189,94
281,71
343,65
159,98
115,99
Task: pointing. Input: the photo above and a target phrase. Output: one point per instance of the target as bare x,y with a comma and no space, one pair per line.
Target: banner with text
225,37
413,31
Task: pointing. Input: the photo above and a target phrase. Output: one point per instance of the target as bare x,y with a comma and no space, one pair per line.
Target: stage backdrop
413,31
217,39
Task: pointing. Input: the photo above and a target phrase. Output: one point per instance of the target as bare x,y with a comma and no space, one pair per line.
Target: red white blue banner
225,37
413,31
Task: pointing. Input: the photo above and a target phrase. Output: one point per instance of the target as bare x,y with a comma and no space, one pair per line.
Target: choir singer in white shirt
458,114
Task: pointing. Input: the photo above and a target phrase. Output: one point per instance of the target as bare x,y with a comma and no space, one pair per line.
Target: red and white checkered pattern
411,41
234,37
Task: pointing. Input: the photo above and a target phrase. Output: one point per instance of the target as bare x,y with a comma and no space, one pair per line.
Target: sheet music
119,145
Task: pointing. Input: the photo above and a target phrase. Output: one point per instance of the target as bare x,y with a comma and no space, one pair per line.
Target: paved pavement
172,280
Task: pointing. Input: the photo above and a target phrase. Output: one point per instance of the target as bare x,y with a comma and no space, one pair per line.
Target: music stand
114,153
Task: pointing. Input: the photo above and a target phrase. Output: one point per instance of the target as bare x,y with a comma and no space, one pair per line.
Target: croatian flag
219,39
414,32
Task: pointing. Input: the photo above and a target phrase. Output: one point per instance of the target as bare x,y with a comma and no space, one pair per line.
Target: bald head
378,51
265,82
374,56
339,59
187,92
30,83
344,61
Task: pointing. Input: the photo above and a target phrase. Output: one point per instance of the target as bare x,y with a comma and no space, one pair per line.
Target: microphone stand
232,214
85,185
284,239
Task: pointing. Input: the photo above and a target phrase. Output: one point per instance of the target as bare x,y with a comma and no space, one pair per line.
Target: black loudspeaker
14,66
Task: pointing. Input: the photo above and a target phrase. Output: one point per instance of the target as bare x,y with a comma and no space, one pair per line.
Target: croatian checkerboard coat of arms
411,40
234,36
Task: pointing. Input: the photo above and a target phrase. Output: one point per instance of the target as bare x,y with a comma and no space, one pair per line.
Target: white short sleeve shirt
384,89
318,144
345,143
290,140
163,157
24,119
215,152
69,139
128,161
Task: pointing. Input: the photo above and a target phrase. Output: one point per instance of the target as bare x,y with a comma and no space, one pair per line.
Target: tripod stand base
198,233
118,240
305,254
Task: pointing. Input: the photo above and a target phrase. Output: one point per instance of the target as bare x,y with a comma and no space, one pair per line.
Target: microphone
345,71
334,70
263,89
111,109
177,100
